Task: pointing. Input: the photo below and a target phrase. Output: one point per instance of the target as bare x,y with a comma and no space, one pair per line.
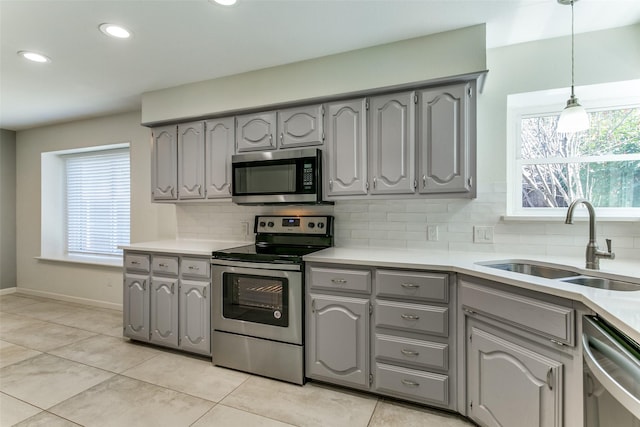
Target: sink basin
532,269
603,283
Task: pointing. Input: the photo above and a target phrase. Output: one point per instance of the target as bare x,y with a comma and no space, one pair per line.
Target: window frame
549,103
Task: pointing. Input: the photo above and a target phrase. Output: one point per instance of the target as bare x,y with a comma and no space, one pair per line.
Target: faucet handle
608,245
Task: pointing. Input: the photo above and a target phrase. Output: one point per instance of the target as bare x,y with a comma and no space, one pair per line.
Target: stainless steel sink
563,275
532,269
603,283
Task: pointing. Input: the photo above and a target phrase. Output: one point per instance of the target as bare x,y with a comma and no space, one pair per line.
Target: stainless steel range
258,304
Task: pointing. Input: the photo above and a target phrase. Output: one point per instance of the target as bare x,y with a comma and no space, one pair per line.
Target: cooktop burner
283,239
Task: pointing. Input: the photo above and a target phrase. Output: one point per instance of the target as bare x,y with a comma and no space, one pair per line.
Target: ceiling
181,41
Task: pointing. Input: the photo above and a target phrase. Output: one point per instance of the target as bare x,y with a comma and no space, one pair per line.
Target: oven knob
321,225
270,224
312,225
262,223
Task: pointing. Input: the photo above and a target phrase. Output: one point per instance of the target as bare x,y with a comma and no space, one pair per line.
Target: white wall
600,57
7,209
148,221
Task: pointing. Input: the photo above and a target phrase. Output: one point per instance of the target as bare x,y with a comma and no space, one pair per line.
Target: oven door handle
622,395
258,265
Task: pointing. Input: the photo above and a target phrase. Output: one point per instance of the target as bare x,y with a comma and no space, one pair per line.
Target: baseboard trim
7,291
67,298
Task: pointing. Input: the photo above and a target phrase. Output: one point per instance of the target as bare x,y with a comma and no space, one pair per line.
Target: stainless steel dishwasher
611,376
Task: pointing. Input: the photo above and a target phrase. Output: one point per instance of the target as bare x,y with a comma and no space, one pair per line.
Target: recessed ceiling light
116,31
223,2
33,56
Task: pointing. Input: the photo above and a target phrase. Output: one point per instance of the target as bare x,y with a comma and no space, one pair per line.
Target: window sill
85,260
561,218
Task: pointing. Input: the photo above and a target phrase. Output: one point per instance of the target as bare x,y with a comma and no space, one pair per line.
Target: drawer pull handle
341,281
135,262
409,352
163,265
193,267
550,378
410,317
410,286
410,383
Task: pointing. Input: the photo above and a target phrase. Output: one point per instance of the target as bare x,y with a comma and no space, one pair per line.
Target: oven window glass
256,299
276,178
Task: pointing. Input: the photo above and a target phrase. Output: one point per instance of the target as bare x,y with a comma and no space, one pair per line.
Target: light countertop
622,309
184,246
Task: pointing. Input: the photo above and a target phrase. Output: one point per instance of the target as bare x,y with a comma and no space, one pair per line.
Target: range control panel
293,224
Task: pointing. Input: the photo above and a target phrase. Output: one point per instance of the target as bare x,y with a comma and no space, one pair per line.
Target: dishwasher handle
617,390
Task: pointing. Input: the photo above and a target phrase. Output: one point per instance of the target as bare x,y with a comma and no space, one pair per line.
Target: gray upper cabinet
191,162
164,168
256,132
446,139
346,152
219,147
392,142
510,385
301,126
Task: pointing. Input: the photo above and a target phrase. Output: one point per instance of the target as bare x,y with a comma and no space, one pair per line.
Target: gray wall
7,209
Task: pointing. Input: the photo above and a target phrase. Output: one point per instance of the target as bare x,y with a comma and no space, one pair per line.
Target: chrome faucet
593,255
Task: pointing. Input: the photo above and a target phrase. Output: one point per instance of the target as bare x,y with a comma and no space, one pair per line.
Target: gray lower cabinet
337,344
520,356
508,384
167,301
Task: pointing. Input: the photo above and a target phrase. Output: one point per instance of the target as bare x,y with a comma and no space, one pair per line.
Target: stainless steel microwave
272,177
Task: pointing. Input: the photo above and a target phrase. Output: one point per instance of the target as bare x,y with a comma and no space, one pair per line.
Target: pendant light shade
574,117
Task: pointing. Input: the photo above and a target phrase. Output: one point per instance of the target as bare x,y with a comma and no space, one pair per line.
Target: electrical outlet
483,234
432,233
244,226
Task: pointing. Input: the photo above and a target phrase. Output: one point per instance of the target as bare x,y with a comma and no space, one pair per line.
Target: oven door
254,300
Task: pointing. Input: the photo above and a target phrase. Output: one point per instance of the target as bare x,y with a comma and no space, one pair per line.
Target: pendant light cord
572,51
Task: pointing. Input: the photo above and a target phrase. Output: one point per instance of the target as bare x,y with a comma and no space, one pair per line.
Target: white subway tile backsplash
403,223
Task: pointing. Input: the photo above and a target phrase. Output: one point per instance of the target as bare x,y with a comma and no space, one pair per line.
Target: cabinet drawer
340,279
426,319
414,285
550,320
412,384
165,265
136,262
426,354
195,267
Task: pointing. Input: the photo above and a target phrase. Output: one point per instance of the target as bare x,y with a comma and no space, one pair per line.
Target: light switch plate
483,234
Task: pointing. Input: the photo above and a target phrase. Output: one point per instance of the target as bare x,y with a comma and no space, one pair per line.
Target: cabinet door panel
136,306
256,132
511,385
301,127
444,163
219,141
338,339
164,311
346,163
393,143
191,160
164,166
195,313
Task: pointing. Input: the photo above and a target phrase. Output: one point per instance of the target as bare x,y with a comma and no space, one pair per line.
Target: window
97,202
549,170
85,211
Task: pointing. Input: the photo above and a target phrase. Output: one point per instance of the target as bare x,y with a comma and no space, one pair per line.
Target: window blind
97,202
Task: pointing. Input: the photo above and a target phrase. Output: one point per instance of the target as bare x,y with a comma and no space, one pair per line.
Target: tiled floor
64,364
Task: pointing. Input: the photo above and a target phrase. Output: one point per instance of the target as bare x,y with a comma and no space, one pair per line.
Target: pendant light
574,117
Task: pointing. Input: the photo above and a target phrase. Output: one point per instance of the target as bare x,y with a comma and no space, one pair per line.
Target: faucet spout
593,255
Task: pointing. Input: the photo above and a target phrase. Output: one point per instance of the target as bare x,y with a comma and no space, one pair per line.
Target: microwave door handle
622,395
